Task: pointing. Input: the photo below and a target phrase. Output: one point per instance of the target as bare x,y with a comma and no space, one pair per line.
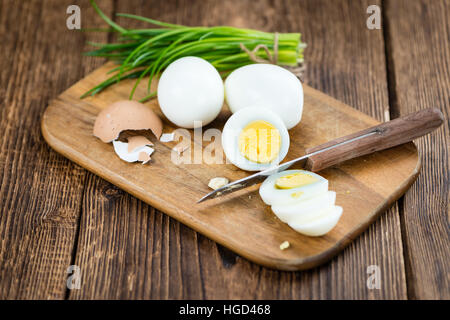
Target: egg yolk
294,180
260,142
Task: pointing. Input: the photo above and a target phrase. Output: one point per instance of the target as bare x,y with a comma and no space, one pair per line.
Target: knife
383,136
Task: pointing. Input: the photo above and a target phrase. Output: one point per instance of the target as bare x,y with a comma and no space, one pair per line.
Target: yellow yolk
294,180
296,195
260,142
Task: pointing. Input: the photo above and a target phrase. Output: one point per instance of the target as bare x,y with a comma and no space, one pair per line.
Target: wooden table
55,214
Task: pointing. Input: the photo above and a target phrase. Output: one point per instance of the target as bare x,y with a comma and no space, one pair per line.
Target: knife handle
388,134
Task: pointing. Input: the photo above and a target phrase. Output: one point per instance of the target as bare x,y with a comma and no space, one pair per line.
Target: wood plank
419,54
178,263
40,194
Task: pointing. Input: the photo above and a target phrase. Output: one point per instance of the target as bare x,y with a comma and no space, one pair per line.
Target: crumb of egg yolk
296,195
285,245
260,142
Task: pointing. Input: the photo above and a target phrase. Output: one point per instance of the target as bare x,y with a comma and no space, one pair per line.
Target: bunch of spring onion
147,52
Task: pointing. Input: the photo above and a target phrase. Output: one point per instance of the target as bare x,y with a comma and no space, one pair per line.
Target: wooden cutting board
365,187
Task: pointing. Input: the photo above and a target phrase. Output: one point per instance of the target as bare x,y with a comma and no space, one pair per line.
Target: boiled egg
190,92
320,225
255,138
306,208
266,85
292,186
301,199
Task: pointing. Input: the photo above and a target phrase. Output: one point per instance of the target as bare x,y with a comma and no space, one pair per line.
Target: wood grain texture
202,260
40,194
419,54
345,60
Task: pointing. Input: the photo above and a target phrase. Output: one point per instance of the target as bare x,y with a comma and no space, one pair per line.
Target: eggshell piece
180,149
125,115
121,149
144,157
136,142
167,137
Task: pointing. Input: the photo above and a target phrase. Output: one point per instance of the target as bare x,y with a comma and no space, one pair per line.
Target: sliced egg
321,225
301,199
304,185
255,138
306,208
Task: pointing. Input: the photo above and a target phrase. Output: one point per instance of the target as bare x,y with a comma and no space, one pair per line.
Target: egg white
274,196
237,122
305,210
266,85
190,92
321,225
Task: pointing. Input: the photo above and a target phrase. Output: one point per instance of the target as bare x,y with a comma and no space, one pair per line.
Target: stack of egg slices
302,200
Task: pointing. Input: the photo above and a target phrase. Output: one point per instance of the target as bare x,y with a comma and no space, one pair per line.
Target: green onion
147,52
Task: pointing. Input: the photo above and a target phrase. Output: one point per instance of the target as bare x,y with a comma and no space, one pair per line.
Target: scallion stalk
147,52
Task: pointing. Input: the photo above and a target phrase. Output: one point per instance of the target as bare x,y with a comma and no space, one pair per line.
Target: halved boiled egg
301,199
255,138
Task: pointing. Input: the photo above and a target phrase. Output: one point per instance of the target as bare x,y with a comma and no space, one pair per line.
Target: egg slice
254,139
303,184
320,225
301,199
306,209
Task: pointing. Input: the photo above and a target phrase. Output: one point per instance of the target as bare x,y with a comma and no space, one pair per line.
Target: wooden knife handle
388,134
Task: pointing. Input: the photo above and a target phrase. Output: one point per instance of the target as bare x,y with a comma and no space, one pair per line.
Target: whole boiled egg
255,138
190,92
266,85
302,200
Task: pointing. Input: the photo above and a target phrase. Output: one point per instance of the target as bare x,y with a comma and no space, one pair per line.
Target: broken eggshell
125,115
141,152
136,142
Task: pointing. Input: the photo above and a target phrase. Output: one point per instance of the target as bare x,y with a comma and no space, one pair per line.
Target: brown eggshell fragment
144,157
137,142
180,149
125,115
